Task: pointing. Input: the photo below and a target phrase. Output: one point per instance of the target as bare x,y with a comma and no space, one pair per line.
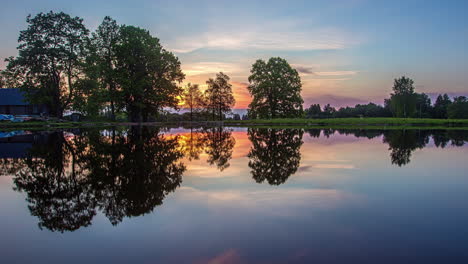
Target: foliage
403,98
441,105
458,108
51,53
193,98
276,90
146,73
100,68
218,96
314,111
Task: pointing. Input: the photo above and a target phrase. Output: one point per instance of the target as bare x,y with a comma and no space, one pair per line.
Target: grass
374,123
355,122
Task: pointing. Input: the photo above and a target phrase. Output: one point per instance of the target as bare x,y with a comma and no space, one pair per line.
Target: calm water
234,195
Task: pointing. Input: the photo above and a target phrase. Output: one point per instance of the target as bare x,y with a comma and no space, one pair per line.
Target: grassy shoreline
354,122
363,123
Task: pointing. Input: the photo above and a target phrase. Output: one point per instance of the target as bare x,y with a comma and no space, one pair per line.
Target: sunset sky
346,51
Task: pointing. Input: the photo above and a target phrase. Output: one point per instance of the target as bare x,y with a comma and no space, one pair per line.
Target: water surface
234,195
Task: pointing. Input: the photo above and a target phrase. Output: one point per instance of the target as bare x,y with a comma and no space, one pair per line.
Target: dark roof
12,96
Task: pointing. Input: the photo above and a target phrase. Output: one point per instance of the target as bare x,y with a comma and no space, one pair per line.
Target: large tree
218,96
50,59
276,90
101,63
403,98
148,75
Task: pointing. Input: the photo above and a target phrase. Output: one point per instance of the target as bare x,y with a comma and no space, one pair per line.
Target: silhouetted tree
147,74
423,106
441,105
403,98
276,90
51,53
314,111
193,98
100,66
218,96
458,108
275,154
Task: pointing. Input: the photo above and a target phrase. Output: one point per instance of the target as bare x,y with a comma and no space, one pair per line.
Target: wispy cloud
273,36
336,73
202,68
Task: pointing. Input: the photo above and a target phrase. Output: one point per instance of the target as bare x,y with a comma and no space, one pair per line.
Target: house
12,102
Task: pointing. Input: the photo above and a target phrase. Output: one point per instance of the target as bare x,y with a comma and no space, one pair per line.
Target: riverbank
366,123
353,122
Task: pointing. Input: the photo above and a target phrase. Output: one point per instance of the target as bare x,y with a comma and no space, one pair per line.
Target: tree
276,90
218,96
423,106
328,111
50,59
192,98
102,60
441,105
403,98
459,108
314,111
146,73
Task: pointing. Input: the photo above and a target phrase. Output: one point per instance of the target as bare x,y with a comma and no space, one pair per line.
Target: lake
234,195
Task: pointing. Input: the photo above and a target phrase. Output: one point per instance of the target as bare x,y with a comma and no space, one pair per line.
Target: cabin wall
23,109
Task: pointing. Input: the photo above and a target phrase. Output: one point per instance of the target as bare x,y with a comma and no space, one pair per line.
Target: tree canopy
276,90
51,53
218,96
147,74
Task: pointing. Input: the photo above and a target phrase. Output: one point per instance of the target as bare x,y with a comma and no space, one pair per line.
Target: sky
346,51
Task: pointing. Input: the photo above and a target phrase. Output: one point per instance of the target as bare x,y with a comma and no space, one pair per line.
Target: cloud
242,95
271,36
210,67
279,202
304,69
336,73
230,256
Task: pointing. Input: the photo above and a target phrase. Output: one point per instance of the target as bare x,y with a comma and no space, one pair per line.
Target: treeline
403,102
124,71
117,69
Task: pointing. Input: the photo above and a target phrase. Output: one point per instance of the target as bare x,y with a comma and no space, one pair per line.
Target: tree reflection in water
275,154
125,173
219,144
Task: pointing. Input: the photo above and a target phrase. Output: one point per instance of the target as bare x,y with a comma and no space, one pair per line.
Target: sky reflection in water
234,195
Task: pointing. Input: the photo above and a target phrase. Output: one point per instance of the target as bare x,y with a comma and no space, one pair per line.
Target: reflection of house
16,144
12,102
15,147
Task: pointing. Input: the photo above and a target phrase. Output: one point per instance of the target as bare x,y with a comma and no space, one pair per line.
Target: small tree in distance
218,96
192,98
